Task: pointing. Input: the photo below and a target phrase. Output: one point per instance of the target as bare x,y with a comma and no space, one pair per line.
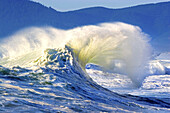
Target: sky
68,5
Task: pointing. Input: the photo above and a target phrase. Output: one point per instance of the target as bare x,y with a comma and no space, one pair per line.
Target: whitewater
96,68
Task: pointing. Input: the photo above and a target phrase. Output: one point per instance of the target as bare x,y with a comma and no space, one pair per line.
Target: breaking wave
117,47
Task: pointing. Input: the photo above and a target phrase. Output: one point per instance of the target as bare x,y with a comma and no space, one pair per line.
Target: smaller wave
155,68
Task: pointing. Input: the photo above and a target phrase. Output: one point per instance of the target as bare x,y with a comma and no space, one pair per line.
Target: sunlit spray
111,44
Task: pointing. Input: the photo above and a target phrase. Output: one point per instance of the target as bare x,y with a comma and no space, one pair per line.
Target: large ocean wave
45,67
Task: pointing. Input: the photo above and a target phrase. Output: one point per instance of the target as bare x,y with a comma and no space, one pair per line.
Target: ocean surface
104,68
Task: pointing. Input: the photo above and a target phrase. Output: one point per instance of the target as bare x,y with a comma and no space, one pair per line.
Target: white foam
155,68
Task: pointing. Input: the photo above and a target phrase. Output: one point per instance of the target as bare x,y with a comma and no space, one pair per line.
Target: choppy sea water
58,84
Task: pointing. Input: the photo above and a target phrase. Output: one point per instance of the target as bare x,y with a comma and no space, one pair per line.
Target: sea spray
30,39
106,45
110,44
